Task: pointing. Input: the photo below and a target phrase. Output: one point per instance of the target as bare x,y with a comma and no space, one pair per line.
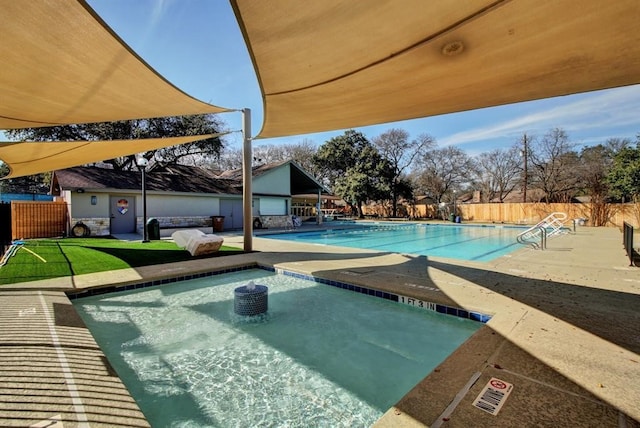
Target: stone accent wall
99,226
275,221
176,222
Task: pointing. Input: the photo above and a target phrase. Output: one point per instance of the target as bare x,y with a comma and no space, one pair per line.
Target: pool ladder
537,235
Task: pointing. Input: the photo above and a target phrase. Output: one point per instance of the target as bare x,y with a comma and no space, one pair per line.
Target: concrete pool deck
565,333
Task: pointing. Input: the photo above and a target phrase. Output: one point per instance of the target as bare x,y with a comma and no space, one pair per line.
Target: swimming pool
464,242
322,356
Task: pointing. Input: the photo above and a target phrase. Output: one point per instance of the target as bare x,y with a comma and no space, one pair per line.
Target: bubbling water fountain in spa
251,299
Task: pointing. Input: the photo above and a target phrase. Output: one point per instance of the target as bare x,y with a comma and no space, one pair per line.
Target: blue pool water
321,356
464,242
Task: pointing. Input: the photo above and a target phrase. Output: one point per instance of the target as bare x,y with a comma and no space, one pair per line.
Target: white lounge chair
197,242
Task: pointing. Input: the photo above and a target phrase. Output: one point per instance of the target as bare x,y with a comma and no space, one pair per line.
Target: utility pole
526,175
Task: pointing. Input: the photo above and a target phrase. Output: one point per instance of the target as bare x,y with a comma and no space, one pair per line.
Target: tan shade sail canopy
61,64
334,64
33,158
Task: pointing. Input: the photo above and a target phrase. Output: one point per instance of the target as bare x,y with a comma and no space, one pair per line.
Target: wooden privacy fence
521,213
531,213
38,219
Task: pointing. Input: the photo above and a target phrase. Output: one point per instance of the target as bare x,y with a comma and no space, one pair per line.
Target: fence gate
5,227
38,219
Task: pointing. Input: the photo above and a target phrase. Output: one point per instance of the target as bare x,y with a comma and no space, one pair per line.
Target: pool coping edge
410,301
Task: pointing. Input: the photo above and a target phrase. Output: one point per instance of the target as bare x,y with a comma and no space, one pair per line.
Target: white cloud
160,9
604,110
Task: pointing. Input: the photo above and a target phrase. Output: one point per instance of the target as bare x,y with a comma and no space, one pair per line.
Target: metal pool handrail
550,226
532,233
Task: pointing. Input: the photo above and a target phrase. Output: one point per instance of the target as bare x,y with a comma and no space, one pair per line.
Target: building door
231,209
122,213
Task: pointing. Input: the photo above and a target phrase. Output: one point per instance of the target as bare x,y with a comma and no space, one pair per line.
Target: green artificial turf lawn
52,258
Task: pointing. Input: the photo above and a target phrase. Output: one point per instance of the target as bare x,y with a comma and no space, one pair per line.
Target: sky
197,46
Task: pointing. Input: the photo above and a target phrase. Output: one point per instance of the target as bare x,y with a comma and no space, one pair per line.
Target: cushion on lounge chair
197,242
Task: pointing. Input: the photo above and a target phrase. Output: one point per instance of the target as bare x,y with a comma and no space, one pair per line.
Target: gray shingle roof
177,178
173,179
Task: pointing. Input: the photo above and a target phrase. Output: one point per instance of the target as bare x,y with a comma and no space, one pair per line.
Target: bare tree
442,171
301,153
552,162
229,159
395,147
498,173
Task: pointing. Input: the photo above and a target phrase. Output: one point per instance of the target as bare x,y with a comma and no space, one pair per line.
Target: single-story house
108,201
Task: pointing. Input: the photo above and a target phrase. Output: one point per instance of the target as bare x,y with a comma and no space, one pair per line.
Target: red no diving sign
493,396
498,384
